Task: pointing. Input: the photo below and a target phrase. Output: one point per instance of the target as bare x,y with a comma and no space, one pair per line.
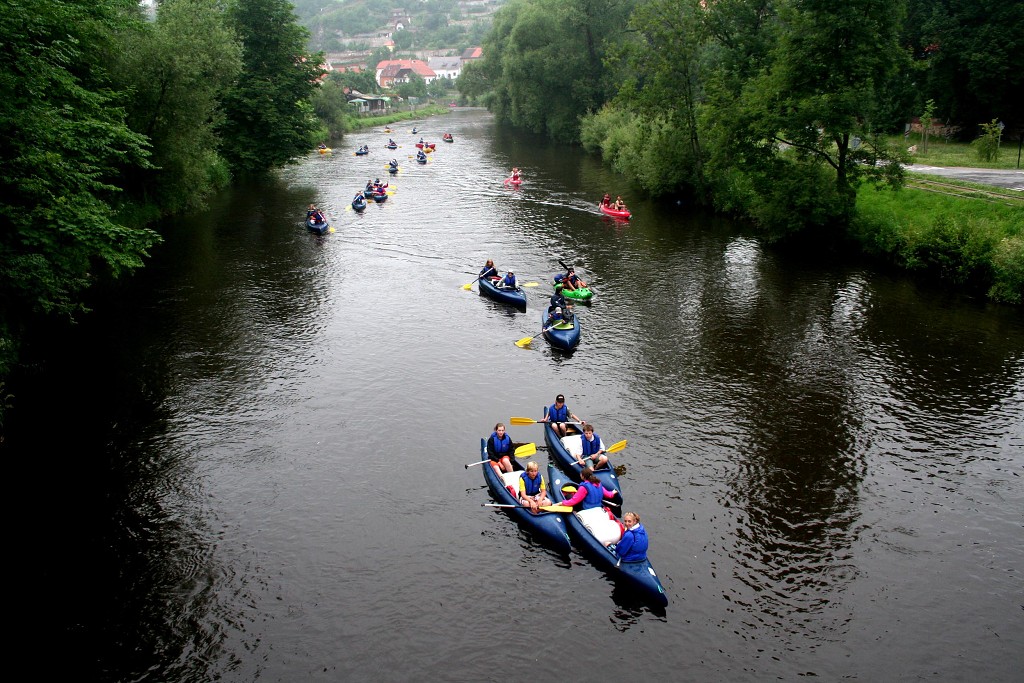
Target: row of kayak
594,532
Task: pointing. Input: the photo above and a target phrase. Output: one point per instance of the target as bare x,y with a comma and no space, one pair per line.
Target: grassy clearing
943,153
975,241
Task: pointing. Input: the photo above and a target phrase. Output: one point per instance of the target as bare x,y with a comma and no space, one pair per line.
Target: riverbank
364,123
969,235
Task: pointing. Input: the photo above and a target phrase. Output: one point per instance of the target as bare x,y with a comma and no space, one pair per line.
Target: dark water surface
250,462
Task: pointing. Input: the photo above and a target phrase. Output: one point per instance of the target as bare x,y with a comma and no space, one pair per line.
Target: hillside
414,26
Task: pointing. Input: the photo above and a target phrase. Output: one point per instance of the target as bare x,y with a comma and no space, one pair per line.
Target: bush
1008,271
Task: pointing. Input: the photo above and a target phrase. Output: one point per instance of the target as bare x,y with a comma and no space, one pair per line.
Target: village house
393,72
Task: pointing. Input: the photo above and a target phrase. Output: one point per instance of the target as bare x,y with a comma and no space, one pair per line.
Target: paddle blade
524,342
522,421
556,508
616,447
568,488
530,284
526,450
469,286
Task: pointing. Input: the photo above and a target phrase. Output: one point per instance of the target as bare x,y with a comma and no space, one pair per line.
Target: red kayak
427,145
617,213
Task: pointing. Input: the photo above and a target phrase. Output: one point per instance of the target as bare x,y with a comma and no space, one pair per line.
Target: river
248,464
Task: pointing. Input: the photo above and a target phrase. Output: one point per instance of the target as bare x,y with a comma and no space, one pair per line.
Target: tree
268,117
416,87
816,95
544,59
178,69
972,55
65,143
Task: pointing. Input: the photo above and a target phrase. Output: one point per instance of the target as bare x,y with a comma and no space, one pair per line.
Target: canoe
324,150
547,527
592,531
379,197
609,211
513,297
426,146
564,450
392,170
362,152
563,335
394,146
318,228
421,159
359,205
448,139
514,183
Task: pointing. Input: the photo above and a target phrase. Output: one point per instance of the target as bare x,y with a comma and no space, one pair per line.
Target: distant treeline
110,120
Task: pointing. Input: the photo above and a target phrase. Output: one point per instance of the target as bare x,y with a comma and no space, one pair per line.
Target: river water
250,460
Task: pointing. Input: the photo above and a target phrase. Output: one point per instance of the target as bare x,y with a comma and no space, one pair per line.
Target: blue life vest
509,281
531,487
632,547
558,415
595,495
591,447
501,446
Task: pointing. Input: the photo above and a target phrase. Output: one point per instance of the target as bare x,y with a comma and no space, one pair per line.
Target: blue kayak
562,450
547,527
563,335
513,297
359,205
319,228
593,531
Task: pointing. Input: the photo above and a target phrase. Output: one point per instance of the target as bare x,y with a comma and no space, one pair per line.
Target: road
1011,179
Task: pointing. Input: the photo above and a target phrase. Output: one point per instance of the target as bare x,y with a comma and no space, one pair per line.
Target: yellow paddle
524,451
531,421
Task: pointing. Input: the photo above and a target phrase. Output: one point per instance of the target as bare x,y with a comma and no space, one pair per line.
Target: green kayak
582,294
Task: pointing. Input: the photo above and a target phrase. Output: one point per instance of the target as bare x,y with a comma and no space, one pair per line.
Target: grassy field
943,153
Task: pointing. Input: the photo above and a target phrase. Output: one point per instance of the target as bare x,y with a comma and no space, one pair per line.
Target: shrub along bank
974,241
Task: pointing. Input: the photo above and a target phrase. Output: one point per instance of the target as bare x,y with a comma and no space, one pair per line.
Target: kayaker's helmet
558,309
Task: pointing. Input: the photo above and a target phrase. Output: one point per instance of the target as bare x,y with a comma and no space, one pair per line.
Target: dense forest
777,111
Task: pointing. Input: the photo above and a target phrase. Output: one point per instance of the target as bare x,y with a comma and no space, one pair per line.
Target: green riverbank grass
967,241
943,153
362,123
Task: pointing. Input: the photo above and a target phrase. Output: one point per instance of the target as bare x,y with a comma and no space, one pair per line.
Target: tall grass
966,241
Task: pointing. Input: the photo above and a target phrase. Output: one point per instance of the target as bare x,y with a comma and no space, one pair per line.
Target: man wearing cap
557,299
509,281
559,414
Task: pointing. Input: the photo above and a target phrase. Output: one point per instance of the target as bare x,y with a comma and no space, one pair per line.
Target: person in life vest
592,449
572,281
619,205
590,493
555,316
499,449
632,547
606,200
358,198
509,281
557,299
488,270
532,490
559,414
311,211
